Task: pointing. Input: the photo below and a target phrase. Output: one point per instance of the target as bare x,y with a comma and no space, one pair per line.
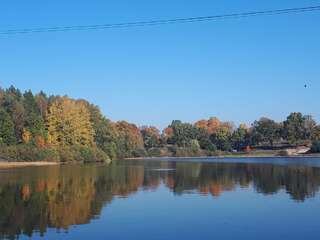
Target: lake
265,198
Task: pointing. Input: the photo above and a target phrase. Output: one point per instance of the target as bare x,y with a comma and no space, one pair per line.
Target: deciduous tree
298,127
129,139
151,137
69,123
240,137
265,131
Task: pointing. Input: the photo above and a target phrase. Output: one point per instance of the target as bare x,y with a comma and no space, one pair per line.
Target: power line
162,22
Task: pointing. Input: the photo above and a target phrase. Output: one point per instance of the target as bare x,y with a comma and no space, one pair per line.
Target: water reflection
36,199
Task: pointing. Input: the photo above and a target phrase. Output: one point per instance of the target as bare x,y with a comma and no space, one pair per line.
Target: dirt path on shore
25,164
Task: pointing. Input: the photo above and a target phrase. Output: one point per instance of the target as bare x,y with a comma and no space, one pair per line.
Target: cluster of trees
40,127
58,128
212,135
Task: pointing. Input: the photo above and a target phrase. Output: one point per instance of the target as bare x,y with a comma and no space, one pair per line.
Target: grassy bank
73,154
253,154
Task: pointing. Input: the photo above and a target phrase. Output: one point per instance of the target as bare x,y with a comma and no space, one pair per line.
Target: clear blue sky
237,70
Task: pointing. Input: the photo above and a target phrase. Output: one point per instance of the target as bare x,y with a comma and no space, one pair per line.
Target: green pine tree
7,135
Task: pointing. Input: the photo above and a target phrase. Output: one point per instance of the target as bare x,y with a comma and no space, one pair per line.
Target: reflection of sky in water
285,161
242,214
163,169
195,201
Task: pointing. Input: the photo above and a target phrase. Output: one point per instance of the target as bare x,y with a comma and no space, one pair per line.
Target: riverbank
5,165
236,155
25,153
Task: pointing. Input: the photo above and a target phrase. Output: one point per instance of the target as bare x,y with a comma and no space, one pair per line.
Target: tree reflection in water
35,199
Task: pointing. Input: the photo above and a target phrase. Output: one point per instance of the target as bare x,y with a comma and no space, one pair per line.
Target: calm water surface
164,199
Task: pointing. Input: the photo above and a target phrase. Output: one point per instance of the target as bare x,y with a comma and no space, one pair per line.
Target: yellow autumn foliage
26,136
68,123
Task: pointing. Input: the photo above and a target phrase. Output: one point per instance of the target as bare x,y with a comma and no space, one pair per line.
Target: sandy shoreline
25,164
5,165
231,156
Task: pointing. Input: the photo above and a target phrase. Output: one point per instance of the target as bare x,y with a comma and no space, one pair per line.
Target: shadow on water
35,199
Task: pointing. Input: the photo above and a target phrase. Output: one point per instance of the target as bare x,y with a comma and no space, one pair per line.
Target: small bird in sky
305,86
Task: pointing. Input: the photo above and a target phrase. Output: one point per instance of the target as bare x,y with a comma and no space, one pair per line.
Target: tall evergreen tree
7,135
34,121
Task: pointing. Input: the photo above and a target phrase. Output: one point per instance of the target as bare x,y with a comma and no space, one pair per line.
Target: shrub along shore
38,127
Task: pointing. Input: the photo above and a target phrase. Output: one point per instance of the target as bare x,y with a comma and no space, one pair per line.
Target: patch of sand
25,164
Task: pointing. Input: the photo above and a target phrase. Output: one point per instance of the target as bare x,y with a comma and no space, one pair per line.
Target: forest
38,127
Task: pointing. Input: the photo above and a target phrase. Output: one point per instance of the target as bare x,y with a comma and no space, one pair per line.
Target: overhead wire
162,22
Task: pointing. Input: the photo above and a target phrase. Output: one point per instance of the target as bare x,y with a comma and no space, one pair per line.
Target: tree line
59,128
214,135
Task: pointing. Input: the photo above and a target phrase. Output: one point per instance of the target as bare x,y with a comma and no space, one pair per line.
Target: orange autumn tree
167,133
129,139
40,141
26,136
215,133
211,125
151,136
